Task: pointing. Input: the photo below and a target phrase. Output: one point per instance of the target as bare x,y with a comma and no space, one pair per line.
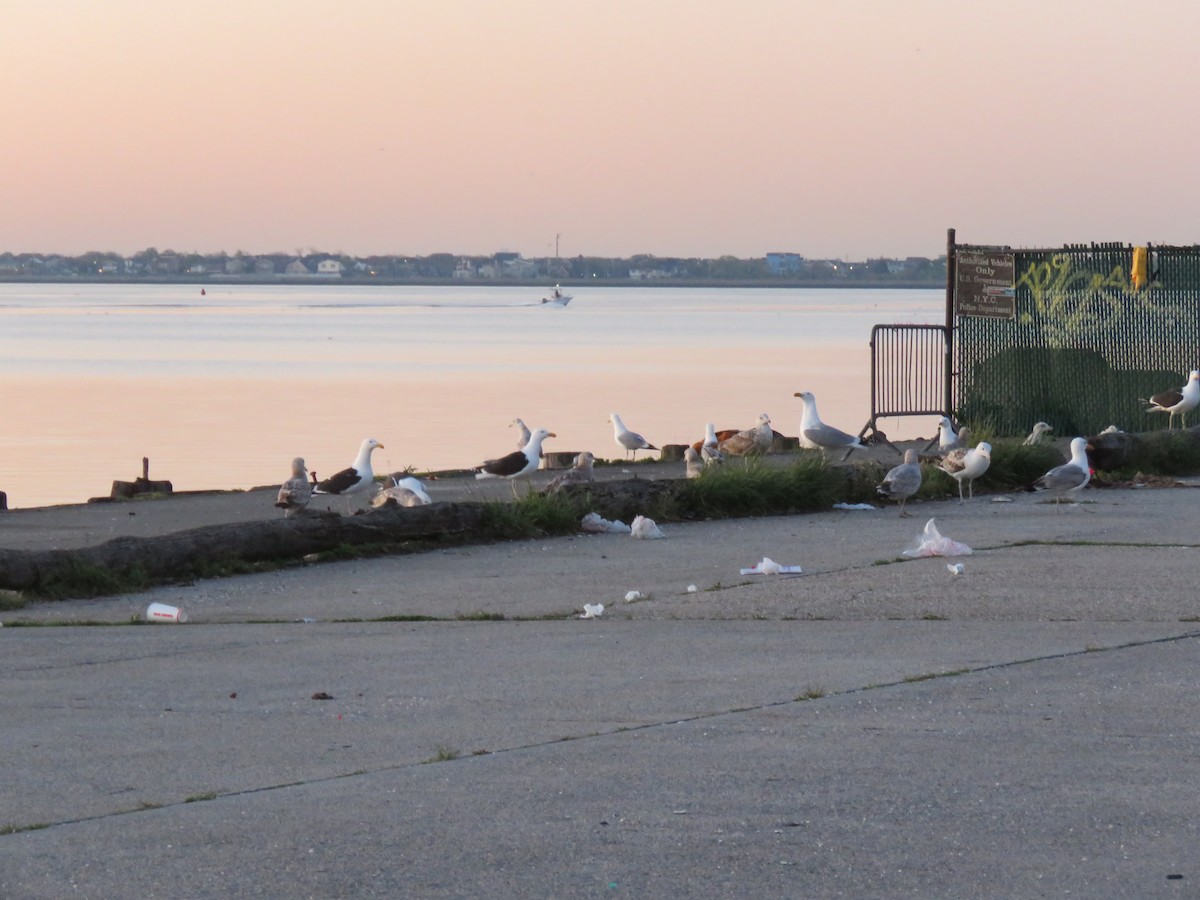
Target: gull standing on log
753,440
353,480
630,441
967,465
580,473
1177,403
1040,430
295,493
1069,478
816,434
519,463
903,481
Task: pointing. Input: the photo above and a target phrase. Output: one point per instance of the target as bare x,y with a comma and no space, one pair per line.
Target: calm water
221,391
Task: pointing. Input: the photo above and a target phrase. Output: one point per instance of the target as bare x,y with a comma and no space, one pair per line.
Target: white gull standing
948,439
1177,403
1069,478
629,441
903,481
967,465
355,479
815,434
693,464
710,450
1040,430
519,463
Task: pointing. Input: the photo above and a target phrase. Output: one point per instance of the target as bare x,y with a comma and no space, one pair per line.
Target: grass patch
17,829
10,600
812,693
480,616
534,515
754,488
442,753
199,798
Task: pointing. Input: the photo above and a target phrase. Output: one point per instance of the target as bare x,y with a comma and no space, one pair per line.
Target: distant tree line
504,267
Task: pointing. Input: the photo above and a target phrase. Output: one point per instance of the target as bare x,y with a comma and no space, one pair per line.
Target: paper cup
160,612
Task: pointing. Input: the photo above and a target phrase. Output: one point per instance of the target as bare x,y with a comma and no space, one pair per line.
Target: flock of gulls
954,456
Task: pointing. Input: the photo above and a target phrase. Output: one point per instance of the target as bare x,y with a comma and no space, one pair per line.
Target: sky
670,127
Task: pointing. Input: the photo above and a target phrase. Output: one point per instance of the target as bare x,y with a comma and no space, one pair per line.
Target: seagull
1069,478
629,440
1177,403
753,440
519,463
357,478
710,449
295,493
967,465
522,432
947,438
580,473
1039,431
903,481
816,434
694,465
405,490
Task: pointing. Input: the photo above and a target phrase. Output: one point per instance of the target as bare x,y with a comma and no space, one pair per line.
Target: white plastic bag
645,529
931,542
594,523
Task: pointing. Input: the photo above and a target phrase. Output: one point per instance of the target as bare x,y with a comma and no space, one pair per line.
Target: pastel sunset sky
697,128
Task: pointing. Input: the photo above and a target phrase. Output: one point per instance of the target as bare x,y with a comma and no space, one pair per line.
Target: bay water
221,390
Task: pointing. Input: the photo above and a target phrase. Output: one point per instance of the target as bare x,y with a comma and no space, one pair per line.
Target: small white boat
557,298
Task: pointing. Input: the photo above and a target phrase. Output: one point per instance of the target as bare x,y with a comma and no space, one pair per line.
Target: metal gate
909,373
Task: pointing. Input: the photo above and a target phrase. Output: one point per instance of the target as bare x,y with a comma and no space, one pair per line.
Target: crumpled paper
645,529
592,610
931,542
594,523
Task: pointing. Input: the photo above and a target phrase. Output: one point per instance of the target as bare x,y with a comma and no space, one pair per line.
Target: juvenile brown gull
967,465
295,493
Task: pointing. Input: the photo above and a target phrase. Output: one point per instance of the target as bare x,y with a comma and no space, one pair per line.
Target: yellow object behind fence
1139,272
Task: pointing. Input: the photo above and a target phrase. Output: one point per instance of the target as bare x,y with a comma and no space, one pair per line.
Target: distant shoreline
540,283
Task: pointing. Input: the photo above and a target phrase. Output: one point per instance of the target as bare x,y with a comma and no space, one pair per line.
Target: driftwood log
184,554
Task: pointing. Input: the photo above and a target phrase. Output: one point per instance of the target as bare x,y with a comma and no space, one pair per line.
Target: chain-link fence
1086,345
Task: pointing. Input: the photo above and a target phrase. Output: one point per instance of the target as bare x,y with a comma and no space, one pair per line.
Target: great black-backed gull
580,473
1177,403
753,440
815,434
519,463
1040,430
629,441
967,465
295,493
903,481
355,479
1069,478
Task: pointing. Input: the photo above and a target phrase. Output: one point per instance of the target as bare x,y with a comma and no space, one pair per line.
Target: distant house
264,266
296,267
464,269
520,268
235,265
785,263
330,267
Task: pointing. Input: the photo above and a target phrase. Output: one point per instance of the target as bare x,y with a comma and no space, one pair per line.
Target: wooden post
145,468
951,273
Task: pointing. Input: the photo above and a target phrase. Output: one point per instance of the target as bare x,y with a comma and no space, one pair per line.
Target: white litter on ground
854,506
645,529
930,542
592,610
768,566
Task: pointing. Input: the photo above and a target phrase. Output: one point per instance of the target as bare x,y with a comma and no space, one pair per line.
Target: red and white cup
161,612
